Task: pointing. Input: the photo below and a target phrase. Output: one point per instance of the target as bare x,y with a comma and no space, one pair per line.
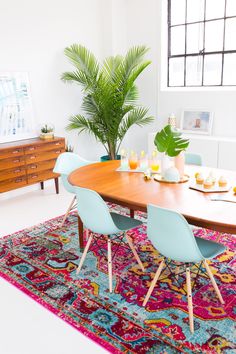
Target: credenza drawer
12,162
41,176
14,183
45,147
43,156
41,166
12,173
12,152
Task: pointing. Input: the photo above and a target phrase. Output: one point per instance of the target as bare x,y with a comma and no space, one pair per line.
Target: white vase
166,163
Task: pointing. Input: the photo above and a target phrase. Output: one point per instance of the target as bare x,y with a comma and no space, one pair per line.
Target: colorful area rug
42,262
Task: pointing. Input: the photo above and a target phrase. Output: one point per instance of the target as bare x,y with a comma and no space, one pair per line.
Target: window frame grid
202,52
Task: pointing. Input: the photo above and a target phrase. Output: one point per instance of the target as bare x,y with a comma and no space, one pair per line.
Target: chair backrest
94,212
68,162
65,164
193,159
171,235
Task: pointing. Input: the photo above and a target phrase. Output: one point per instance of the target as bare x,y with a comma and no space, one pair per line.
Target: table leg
131,213
81,232
42,185
56,185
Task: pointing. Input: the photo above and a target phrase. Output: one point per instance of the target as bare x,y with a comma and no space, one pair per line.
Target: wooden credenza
29,161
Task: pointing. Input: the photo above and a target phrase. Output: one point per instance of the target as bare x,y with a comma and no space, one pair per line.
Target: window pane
231,8
177,12
214,36
194,38
212,69
178,40
195,10
230,31
229,69
215,9
176,72
194,71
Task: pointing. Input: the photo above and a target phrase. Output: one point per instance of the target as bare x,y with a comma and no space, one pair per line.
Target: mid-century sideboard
30,161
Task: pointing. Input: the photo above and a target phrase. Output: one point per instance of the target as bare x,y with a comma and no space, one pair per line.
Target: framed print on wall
16,113
196,122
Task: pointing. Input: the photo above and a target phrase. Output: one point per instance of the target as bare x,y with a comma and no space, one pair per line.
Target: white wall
144,25
33,35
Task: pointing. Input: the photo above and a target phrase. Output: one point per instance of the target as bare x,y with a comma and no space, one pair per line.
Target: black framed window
201,43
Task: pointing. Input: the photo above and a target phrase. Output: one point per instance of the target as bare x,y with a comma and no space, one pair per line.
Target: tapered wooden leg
215,286
158,272
68,210
84,254
190,302
42,185
109,263
134,252
131,213
56,185
81,233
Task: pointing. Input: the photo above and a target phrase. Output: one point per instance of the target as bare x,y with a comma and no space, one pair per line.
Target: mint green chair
96,217
193,159
66,163
172,236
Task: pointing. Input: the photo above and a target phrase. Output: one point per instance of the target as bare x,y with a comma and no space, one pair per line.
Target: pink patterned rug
42,261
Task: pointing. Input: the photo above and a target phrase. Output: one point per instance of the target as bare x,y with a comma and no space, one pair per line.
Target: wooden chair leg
68,210
129,240
215,286
131,213
190,302
84,254
158,272
109,263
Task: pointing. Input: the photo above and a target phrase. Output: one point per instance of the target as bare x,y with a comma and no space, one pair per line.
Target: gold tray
159,178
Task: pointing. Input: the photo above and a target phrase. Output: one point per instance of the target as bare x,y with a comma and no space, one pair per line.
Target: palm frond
137,116
82,59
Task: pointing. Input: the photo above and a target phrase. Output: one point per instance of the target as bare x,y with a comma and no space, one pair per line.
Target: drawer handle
33,166
18,170
15,151
18,180
34,176
15,161
58,152
32,148
32,157
57,143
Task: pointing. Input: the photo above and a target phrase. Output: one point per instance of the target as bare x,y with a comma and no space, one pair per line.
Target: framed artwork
196,122
16,114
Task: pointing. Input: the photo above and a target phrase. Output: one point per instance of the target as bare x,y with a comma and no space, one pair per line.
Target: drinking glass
133,161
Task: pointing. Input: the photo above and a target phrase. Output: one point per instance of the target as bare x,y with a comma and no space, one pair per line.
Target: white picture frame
16,112
196,122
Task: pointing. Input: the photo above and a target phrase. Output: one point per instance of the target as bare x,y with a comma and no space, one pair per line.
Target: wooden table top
131,190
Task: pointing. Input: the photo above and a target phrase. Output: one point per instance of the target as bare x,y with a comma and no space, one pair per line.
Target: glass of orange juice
133,161
154,163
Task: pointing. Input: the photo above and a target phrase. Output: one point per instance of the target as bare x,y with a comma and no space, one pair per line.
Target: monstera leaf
170,141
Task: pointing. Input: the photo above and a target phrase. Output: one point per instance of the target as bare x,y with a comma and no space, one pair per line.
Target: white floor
25,326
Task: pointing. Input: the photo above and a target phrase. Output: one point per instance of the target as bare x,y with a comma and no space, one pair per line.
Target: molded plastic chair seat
96,216
209,249
174,239
123,223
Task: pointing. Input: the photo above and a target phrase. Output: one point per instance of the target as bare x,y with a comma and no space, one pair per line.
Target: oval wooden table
129,189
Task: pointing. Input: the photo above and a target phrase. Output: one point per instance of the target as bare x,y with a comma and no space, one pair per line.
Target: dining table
210,210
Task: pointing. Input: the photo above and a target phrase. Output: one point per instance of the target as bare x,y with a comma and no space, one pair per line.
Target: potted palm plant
110,95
